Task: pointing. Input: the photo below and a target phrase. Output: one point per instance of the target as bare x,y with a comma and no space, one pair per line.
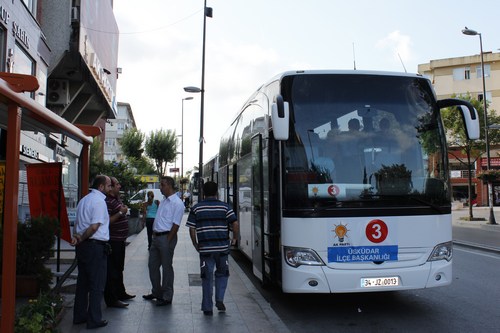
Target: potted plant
35,241
40,315
488,176
394,179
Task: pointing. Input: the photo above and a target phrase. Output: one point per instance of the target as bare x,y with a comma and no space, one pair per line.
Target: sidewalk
479,234
247,311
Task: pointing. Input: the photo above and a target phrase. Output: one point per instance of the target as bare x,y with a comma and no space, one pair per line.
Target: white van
142,196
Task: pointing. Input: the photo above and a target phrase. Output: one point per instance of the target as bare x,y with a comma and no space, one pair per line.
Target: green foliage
489,175
131,143
96,160
125,175
454,126
142,165
35,241
39,315
161,147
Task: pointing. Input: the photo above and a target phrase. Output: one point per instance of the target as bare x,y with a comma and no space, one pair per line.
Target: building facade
71,47
114,131
459,76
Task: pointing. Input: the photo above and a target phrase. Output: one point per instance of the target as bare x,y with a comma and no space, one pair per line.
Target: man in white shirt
165,227
91,235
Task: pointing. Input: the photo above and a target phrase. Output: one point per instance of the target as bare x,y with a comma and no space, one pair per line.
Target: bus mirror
471,125
280,119
469,115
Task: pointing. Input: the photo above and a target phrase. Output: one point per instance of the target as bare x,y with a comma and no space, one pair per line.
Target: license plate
379,282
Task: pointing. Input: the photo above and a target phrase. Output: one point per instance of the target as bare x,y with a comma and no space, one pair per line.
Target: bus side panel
413,237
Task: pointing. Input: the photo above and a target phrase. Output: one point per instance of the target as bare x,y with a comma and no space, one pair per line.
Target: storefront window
23,64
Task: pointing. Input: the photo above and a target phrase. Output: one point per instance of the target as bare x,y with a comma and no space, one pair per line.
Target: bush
35,241
39,315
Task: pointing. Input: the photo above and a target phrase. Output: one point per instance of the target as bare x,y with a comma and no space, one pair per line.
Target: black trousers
91,259
149,228
115,289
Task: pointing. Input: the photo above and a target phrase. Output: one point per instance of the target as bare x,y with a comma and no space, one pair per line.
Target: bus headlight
296,256
443,251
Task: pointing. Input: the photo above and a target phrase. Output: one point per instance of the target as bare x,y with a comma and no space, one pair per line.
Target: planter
489,179
26,286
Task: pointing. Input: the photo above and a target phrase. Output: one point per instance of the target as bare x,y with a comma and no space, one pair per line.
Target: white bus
346,175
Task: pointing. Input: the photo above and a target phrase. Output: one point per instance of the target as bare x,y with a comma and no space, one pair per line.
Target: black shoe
208,313
118,304
220,306
149,297
78,322
126,297
162,302
102,323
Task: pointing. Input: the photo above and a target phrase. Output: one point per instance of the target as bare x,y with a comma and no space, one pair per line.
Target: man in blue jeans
208,223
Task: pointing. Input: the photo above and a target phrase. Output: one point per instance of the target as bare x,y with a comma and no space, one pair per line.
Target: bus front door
257,206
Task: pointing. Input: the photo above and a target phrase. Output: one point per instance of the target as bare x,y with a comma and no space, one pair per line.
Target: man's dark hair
169,180
210,189
99,180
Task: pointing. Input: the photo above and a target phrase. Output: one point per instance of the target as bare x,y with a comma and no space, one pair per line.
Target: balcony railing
462,173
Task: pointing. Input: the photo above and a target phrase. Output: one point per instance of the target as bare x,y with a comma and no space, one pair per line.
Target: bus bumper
321,279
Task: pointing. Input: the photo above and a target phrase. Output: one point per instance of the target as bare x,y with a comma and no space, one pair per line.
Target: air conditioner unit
58,92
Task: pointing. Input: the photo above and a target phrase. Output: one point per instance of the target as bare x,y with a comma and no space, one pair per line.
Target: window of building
110,142
2,50
23,64
487,71
488,97
462,73
31,5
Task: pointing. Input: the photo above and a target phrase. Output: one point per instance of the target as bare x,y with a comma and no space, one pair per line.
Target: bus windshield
363,141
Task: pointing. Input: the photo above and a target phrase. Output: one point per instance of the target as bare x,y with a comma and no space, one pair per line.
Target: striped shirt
118,230
211,219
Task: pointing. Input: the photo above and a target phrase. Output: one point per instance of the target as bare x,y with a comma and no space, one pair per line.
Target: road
470,304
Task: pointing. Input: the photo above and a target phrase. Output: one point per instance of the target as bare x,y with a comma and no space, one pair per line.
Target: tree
130,184
132,147
96,160
472,149
131,143
161,147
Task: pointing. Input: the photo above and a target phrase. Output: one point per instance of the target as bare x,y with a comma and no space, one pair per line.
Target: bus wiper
417,199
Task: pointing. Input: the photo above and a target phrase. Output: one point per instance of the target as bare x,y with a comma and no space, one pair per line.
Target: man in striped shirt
114,292
208,223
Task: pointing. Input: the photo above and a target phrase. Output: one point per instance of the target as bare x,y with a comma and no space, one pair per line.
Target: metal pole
200,159
182,142
491,219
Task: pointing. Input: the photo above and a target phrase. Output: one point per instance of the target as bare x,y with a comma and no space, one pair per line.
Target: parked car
138,198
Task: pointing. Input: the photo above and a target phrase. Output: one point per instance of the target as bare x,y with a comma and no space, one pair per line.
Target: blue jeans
207,264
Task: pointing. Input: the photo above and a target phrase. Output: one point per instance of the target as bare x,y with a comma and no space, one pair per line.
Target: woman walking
149,209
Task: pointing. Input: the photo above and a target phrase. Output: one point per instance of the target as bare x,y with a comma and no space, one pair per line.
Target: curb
274,319
472,245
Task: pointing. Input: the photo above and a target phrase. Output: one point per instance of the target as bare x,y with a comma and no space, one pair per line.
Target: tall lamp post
470,32
182,135
207,12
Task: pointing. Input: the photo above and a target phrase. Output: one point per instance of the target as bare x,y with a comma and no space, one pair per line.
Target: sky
249,42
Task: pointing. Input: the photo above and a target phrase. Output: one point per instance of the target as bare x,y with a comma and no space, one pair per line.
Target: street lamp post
182,135
471,32
207,12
